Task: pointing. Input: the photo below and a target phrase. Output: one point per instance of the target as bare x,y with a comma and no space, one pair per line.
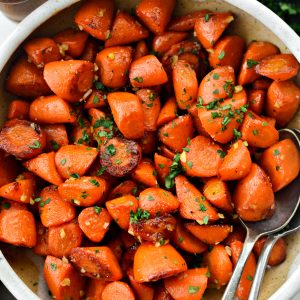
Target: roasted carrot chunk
210,27
141,49
162,167
9,168
166,152
22,139
117,290
168,112
62,279
96,262
56,136
148,142
96,99
152,263
256,100
18,109
145,173
192,203
95,288
53,210
41,246
253,197
82,132
127,187
282,163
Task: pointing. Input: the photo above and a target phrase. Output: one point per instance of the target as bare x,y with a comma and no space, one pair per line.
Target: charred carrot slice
156,200
117,290
176,133
18,109
114,63
63,238
121,208
192,203
210,27
282,101
74,160
44,166
162,166
168,112
96,17
253,197
94,289
141,50
9,168
127,110
62,279
256,99
145,173
147,71
53,210
127,187
189,285
96,262
148,142
147,11
96,99
71,79
152,263
278,67
56,136
26,80
256,51
22,139
282,163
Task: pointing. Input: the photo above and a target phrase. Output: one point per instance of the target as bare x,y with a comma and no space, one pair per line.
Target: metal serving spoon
287,201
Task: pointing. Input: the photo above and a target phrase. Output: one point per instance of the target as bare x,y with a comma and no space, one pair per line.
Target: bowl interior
27,265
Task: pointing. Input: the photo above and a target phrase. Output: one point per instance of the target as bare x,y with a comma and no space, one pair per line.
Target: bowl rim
50,8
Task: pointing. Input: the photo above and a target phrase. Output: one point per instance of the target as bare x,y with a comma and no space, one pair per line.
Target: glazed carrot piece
147,71
94,222
282,163
262,83
176,133
71,79
161,293
156,200
83,191
41,246
185,84
151,108
141,50
17,225
125,30
18,109
244,287
43,166
146,10
20,191
209,234
148,142
219,265
184,240
238,233
282,101
90,51
72,40
217,84
96,17
163,42
278,253
117,290
256,99
97,262
96,99
9,168
217,193
257,132
186,22
114,63
236,164
56,136
201,157
26,80
21,138
120,209
210,27
166,151
82,132
103,127
143,291
63,238
94,289
52,209
120,156
189,285
127,110
62,279
162,166
253,197
126,187
168,112
145,173
194,112
152,263
256,51
40,51
192,203
228,51
74,160
278,67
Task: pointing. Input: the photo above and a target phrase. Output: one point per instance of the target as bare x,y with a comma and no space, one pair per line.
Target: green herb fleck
97,209
193,289
251,63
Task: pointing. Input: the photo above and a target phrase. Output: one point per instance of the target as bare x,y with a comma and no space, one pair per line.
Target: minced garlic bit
23,198
183,157
66,282
86,94
238,88
101,12
87,223
80,27
65,260
62,233
82,270
96,68
77,202
228,250
105,225
221,216
229,19
111,56
31,201
63,48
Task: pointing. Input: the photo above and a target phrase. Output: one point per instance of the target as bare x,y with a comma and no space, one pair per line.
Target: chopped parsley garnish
138,79
221,55
249,277
190,164
95,100
95,182
110,150
255,132
101,171
202,207
140,214
97,209
75,175
251,63
277,168
150,198
193,289
35,145
175,169
53,266
216,76
221,153
63,162
54,145
276,152
161,166
200,102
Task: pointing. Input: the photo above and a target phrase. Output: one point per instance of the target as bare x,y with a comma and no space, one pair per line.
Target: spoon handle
261,266
250,240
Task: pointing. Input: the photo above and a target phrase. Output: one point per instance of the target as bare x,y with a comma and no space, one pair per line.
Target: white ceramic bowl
19,268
